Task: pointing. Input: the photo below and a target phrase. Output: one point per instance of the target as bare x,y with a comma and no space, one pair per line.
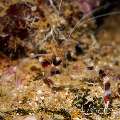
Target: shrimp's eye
56,61
102,73
78,49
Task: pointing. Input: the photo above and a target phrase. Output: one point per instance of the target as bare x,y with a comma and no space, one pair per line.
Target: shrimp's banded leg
107,91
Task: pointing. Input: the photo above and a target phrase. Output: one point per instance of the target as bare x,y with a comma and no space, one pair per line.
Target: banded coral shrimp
81,22
87,17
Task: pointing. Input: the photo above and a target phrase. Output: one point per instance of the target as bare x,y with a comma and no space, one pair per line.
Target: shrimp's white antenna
84,17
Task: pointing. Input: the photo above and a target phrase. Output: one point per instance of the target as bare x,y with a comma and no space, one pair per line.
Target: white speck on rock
34,8
39,92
